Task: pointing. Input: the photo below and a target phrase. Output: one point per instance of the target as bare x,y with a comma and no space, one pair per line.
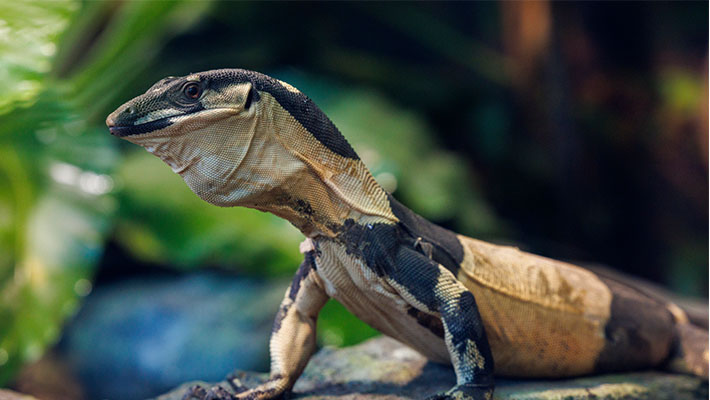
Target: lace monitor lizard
241,138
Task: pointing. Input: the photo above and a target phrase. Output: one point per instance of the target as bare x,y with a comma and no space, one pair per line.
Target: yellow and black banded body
240,138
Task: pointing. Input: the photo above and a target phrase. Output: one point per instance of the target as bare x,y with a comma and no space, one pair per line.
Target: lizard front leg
293,340
433,289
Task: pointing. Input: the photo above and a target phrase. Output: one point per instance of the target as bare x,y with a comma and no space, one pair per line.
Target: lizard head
239,137
201,125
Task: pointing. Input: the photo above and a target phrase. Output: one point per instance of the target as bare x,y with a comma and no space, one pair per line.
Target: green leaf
60,71
162,221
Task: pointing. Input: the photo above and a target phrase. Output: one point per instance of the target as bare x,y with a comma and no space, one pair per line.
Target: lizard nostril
130,110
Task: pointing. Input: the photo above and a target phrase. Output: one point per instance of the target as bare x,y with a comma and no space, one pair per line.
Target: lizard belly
370,298
543,318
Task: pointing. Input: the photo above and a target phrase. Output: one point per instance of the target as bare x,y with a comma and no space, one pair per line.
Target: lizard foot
235,383
272,388
213,393
465,392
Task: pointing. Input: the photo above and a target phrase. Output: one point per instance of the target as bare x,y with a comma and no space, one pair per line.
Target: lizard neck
318,201
312,186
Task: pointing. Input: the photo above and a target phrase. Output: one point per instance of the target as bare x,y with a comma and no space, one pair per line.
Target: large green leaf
29,32
61,68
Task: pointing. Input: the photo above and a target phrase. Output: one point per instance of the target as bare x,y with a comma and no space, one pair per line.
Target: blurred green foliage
55,163
50,234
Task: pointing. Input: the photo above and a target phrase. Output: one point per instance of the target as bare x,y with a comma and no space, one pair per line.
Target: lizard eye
192,90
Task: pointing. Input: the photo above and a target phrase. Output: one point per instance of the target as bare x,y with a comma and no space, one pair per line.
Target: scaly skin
240,138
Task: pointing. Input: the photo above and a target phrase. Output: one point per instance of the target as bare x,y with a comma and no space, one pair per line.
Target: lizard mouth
158,124
129,130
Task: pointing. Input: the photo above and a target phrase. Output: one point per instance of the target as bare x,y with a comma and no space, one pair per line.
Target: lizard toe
219,393
194,392
214,393
236,384
465,392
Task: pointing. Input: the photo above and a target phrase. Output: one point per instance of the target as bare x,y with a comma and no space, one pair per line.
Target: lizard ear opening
252,96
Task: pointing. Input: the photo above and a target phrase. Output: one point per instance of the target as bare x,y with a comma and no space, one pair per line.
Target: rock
139,338
10,395
385,369
50,377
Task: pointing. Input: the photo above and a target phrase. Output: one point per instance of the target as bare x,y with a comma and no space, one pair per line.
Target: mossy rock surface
382,368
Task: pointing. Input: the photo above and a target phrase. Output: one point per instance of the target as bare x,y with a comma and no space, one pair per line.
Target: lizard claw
214,393
194,392
271,389
465,392
235,383
219,393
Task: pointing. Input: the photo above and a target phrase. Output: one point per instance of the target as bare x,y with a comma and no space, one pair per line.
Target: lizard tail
690,352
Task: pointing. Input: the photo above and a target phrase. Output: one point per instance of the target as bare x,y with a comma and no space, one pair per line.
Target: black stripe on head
128,130
446,248
302,108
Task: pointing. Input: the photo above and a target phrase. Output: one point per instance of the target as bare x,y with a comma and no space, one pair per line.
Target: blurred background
577,131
